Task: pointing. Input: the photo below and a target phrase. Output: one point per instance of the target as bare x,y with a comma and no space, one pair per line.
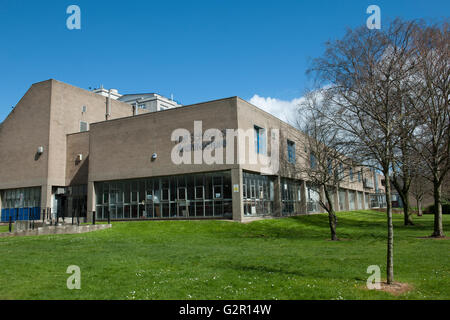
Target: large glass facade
378,200
258,194
291,197
313,197
186,196
332,194
352,200
21,204
342,204
360,200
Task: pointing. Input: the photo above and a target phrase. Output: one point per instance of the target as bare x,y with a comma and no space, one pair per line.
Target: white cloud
282,109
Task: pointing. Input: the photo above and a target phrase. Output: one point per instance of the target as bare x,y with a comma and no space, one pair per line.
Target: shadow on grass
364,225
266,269
311,273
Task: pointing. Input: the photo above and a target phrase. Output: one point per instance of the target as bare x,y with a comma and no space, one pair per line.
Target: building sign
236,188
196,141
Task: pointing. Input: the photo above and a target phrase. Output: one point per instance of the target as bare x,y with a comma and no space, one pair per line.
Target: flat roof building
70,152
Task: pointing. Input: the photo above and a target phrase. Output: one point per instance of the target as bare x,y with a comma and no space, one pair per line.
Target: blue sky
198,50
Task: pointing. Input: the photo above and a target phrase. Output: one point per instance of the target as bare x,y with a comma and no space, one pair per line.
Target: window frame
291,151
86,124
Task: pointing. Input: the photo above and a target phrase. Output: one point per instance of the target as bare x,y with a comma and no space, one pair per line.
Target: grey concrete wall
49,115
21,133
66,114
48,111
122,148
77,171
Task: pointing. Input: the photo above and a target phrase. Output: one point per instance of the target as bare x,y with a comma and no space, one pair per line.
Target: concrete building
69,152
141,102
149,101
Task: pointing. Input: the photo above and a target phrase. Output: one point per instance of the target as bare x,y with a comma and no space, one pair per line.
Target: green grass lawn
272,259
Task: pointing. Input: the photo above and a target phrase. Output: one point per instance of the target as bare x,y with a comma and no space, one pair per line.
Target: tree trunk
403,192
331,215
406,211
332,222
438,229
419,207
390,242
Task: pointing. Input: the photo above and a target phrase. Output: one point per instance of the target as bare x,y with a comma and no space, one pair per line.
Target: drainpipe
108,106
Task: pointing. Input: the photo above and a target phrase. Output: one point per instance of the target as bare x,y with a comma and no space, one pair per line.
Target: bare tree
432,137
324,160
404,161
364,72
419,188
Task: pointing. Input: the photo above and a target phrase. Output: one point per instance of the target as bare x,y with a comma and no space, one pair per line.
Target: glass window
134,192
119,193
126,212
105,193
141,196
134,211
165,194
341,171
182,194
83,126
312,160
199,192
252,191
342,205
120,212
218,208
165,210
226,183
208,187
190,187
261,192
158,197
291,151
209,210
127,192
260,140
199,209
330,166
218,192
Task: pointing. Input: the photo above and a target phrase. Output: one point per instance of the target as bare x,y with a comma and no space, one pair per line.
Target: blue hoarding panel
20,214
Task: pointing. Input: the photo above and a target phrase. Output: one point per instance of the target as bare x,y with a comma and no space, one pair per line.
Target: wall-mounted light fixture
40,150
154,156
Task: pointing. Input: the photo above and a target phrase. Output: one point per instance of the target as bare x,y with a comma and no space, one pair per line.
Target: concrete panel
123,148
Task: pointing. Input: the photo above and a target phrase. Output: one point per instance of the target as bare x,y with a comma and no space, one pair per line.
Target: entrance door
61,206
